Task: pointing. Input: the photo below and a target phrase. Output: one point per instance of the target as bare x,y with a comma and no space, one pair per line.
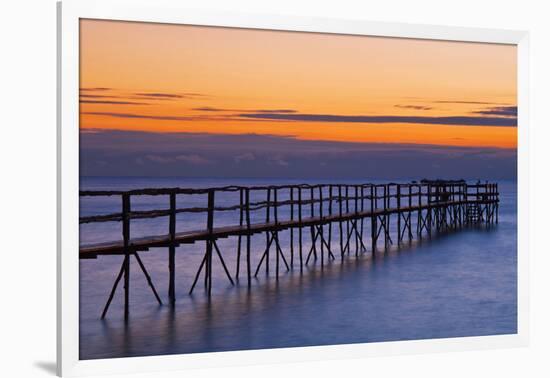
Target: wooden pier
358,216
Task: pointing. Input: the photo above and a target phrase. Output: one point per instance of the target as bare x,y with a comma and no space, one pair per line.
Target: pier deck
189,237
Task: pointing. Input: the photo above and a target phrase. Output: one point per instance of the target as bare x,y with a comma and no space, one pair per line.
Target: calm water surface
452,285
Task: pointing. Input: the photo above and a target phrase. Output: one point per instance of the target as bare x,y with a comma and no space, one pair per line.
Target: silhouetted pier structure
323,213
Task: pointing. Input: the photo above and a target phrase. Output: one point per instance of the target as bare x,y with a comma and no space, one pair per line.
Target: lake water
456,284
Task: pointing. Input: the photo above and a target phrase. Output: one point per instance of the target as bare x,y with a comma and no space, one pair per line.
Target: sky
180,100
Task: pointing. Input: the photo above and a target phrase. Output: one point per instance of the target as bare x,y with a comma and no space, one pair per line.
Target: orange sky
167,78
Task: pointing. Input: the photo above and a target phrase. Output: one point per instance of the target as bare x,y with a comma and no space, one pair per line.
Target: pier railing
328,212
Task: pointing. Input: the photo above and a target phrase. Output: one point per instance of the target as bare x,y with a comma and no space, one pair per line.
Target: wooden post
172,250
491,204
455,208
419,220
209,242
347,222
460,206
385,224
373,203
340,205
276,219
465,202
429,212
398,213
248,236
356,212
300,228
312,228
456,193
330,217
496,204
239,240
409,215
267,219
126,208
362,214
458,198
292,228
477,199
485,203
321,224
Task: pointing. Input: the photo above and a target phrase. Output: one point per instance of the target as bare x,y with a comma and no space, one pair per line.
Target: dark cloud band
212,109
467,102
414,107
107,102
142,116
455,120
134,153
503,111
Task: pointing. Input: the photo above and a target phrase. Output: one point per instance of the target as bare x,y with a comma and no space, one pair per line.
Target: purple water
453,285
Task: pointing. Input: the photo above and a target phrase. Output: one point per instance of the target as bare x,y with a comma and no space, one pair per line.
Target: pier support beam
119,277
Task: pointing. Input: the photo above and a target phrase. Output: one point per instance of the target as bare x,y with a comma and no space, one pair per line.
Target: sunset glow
160,78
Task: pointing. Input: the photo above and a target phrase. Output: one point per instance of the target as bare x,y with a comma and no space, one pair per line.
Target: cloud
504,111
467,102
168,96
275,111
415,107
95,89
135,153
195,94
193,159
159,95
159,159
174,118
109,102
279,160
122,98
335,118
212,109
85,95
247,156
142,116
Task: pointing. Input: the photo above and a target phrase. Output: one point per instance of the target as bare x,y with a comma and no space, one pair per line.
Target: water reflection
345,302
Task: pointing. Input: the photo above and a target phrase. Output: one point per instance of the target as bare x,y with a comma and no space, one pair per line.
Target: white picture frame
170,11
